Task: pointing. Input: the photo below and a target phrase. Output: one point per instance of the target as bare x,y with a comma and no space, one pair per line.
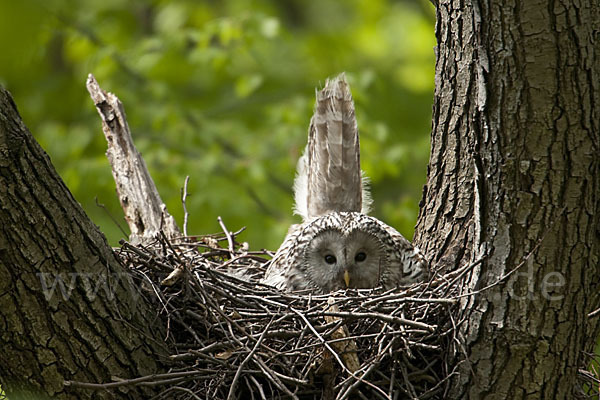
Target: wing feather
329,177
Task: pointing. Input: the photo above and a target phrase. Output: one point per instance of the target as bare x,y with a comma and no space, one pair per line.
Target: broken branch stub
145,212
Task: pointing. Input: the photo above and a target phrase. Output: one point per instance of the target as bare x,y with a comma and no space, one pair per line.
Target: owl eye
329,259
360,257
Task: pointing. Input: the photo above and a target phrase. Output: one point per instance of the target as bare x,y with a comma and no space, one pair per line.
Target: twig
130,382
230,396
259,387
383,317
594,313
227,234
184,194
360,380
112,217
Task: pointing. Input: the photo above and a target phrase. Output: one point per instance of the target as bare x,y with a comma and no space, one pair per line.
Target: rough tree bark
68,309
514,177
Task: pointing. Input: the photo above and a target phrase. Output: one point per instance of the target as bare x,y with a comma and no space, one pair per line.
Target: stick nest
233,337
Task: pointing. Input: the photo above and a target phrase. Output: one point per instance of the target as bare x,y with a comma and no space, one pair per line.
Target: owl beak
347,278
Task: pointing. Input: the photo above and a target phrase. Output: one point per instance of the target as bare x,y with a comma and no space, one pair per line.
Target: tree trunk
514,178
68,309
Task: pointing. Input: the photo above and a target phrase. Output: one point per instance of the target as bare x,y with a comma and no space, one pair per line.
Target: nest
233,337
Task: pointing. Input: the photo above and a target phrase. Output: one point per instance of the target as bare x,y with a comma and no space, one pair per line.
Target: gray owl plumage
338,245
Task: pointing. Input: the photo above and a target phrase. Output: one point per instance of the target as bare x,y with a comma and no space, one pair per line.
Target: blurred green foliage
223,91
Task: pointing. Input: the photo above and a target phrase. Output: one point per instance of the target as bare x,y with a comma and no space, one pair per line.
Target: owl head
343,250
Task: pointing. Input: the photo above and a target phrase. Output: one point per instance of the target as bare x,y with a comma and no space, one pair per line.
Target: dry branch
145,212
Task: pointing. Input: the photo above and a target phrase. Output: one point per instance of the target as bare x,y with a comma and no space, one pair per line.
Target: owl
338,245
